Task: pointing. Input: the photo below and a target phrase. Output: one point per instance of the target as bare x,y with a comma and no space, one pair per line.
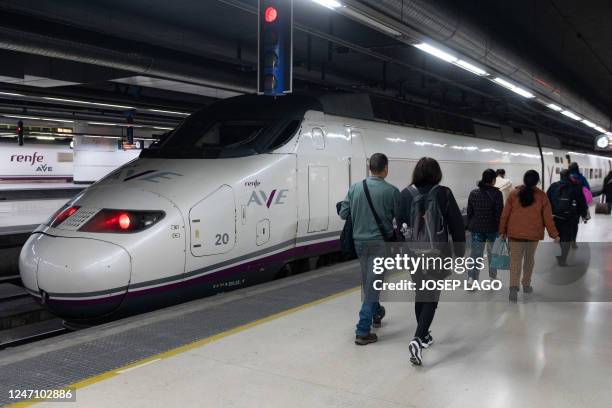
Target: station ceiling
183,54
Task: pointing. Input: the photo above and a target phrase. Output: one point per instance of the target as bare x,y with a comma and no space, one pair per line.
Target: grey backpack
427,231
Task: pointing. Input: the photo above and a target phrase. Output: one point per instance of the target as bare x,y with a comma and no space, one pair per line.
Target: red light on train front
62,215
122,221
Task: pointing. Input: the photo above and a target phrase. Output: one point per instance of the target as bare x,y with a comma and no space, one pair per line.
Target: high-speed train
238,190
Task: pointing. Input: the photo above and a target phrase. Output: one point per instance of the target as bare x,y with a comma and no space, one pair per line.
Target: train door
358,166
212,223
323,178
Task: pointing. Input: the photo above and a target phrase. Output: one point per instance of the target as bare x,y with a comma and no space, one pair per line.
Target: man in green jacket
369,242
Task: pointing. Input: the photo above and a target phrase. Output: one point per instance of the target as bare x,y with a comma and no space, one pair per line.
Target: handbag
347,242
500,257
396,235
588,196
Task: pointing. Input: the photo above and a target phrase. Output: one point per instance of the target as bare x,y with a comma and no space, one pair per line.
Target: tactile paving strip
80,360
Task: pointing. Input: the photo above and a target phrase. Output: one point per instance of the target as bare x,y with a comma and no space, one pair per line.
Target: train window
556,159
590,173
285,135
318,138
558,170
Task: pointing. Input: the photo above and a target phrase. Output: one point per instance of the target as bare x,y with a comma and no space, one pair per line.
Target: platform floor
486,354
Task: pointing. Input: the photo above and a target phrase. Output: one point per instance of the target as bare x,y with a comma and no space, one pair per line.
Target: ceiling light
21,117
10,94
472,68
115,124
571,114
369,21
37,118
589,123
436,52
603,141
554,107
162,128
109,105
514,88
331,4
45,138
171,112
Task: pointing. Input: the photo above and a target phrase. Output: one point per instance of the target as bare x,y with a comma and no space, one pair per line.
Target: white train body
222,223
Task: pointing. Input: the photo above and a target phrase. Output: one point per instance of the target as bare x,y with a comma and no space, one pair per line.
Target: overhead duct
31,43
419,19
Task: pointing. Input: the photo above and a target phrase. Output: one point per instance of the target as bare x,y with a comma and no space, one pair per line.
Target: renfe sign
27,158
35,162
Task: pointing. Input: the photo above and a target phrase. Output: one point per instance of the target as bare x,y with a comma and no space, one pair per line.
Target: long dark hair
427,172
488,176
530,180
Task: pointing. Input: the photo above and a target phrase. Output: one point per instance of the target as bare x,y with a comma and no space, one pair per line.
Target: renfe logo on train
27,158
259,197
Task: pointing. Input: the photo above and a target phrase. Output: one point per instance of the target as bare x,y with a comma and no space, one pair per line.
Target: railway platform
290,343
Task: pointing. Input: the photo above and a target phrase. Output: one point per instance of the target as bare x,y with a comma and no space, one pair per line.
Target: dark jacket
450,209
607,188
581,179
575,194
484,209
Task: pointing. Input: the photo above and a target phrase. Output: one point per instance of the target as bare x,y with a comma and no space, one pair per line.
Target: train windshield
238,127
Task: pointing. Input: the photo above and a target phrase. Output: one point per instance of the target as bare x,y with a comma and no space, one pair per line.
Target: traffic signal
275,47
20,133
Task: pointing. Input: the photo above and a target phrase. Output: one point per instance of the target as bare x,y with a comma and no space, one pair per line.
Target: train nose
76,278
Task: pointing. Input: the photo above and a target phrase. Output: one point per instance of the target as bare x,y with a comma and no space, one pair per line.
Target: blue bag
500,257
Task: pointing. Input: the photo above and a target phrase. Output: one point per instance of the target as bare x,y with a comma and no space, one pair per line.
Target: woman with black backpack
422,196
485,205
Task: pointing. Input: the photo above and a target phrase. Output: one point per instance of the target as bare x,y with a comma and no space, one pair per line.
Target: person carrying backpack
568,205
484,210
525,215
428,215
372,205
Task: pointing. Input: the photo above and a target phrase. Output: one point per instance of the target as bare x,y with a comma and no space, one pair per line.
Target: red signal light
270,14
124,221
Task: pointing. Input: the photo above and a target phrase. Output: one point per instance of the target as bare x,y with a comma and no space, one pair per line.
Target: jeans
367,251
479,240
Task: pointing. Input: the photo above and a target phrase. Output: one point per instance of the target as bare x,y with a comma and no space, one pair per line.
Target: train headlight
603,142
122,221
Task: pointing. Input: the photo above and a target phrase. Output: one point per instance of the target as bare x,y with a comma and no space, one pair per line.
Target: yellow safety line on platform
181,349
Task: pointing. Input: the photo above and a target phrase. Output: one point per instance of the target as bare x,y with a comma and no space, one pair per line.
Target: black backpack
565,207
428,227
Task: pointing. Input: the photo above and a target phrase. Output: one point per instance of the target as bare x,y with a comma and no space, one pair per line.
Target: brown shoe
366,339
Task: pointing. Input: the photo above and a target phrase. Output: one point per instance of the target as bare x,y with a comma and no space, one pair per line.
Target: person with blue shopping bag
485,205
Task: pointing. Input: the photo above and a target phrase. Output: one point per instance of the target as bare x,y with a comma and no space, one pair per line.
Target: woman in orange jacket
526,213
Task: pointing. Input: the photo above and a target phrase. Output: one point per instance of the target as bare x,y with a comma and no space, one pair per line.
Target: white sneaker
470,284
416,348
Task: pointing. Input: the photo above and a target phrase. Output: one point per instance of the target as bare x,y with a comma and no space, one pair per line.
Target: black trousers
425,305
568,229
